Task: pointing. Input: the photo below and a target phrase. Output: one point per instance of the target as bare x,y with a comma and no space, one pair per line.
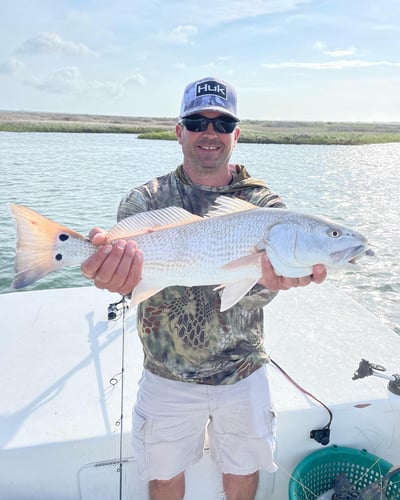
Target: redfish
223,248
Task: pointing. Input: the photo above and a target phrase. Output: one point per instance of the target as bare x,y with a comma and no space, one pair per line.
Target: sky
324,60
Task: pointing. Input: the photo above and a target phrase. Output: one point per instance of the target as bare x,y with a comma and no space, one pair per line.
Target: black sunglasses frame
200,123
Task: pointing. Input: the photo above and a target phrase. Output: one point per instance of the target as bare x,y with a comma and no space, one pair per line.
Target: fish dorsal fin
153,220
225,205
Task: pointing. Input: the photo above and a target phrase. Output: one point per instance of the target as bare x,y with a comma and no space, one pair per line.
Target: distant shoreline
253,131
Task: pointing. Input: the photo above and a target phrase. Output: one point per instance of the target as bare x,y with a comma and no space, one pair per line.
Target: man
202,368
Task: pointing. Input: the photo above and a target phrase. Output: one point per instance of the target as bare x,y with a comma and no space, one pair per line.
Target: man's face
206,150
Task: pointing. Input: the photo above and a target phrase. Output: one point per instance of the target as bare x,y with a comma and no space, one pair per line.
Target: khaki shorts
170,420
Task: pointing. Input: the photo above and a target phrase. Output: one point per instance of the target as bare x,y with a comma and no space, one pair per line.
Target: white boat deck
58,409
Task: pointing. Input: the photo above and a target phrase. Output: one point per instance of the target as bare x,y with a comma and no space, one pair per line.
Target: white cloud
386,27
52,42
11,66
181,34
136,79
341,52
339,64
321,46
68,80
204,12
59,81
224,59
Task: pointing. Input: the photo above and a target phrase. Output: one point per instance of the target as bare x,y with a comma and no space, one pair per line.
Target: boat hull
61,416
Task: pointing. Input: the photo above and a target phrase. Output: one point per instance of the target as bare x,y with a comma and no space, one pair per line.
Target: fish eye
335,233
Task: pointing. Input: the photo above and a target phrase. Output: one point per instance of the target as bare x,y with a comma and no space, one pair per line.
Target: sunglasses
200,123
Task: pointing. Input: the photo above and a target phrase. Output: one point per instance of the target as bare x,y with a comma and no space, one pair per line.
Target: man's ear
178,131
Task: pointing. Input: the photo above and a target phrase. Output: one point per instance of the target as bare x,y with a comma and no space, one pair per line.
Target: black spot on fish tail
59,256
63,237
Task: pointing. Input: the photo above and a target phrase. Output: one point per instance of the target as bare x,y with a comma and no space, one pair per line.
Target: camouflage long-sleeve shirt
185,337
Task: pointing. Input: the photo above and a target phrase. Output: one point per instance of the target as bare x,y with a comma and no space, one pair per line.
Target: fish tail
39,246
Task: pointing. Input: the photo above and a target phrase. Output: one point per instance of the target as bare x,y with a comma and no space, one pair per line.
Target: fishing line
121,428
119,378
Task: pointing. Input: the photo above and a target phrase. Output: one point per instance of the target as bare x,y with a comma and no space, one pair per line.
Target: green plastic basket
314,474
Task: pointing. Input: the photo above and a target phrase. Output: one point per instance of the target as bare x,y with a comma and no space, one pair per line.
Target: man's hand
273,282
117,267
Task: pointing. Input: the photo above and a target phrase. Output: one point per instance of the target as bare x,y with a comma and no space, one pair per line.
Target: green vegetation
57,122
253,131
284,132
165,135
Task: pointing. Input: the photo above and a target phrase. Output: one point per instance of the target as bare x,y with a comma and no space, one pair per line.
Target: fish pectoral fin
252,260
232,293
143,291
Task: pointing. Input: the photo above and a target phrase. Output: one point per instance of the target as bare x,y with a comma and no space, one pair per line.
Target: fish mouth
352,255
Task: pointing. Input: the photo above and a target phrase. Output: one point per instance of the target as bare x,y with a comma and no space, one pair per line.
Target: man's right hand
274,282
116,267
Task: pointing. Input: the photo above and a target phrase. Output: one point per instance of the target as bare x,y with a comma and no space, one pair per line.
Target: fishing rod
115,311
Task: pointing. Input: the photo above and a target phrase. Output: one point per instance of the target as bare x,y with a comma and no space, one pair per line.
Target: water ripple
78,179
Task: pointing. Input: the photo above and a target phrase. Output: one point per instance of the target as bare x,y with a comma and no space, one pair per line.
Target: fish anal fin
248,272
232,293
144,290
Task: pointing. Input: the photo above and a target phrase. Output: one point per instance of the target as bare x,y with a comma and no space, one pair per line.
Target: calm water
78,180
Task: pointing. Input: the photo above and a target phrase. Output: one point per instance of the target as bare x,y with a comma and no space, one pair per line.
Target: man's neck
208,177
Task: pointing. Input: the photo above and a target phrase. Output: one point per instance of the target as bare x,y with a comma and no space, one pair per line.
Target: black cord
320,435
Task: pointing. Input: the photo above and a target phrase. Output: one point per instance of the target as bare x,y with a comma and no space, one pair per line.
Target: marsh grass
253,131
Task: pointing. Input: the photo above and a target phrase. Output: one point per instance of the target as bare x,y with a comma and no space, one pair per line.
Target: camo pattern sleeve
184,334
